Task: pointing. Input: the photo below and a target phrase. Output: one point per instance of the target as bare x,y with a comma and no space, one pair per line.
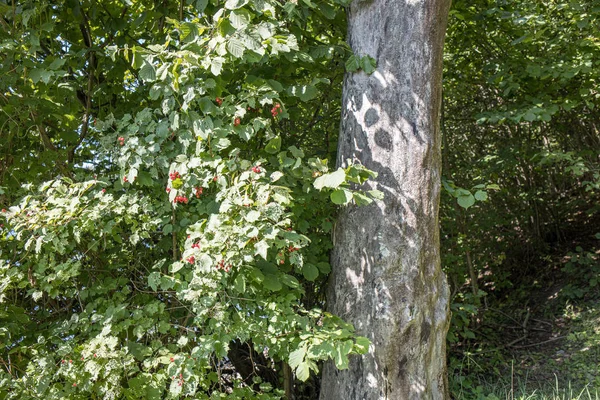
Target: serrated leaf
332,180
353,63
368,64
239,20
235,48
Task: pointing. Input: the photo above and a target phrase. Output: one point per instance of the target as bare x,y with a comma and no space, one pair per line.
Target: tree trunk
386,277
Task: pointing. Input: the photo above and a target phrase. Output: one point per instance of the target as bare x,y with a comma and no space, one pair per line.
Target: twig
540,343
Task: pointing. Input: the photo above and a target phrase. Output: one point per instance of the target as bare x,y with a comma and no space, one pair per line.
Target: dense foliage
521,111
168,205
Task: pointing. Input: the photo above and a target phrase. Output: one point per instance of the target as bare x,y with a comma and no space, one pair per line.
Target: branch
49,145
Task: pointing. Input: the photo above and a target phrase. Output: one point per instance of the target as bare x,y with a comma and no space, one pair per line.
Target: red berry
63,361
215,178
171,359
125,179
168,190
236,122
70,361
218,101
95,355
103,190
74,384
4,210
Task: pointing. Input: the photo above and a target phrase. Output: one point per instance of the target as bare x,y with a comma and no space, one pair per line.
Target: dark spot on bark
383,139
357,102
425,331
415,132
371,117
402,366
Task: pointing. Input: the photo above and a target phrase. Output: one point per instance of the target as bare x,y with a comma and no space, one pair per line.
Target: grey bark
386,278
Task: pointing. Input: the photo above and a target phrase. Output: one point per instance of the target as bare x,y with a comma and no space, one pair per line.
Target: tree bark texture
386,278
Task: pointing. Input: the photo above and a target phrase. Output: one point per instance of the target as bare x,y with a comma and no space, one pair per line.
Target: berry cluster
198,191
276,110
191,259
180,383
256,169
180,199
221,266
219,101
196,246
121,141
292,249
174,175
125,179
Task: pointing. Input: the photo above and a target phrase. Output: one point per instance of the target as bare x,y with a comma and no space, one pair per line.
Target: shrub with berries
276,110
180,199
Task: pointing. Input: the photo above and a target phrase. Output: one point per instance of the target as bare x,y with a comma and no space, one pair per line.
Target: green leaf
368,64
274,145
362,344
147,72
216,65
261,249
376,194
235,48
303,372
332,180
235,4
272,283
341,196
289,280
481,195
305,93
341,354
296,357
252,216
310,272
240,284
154,280
353,63
466,201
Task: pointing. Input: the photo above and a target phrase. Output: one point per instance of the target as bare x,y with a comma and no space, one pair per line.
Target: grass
520,389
